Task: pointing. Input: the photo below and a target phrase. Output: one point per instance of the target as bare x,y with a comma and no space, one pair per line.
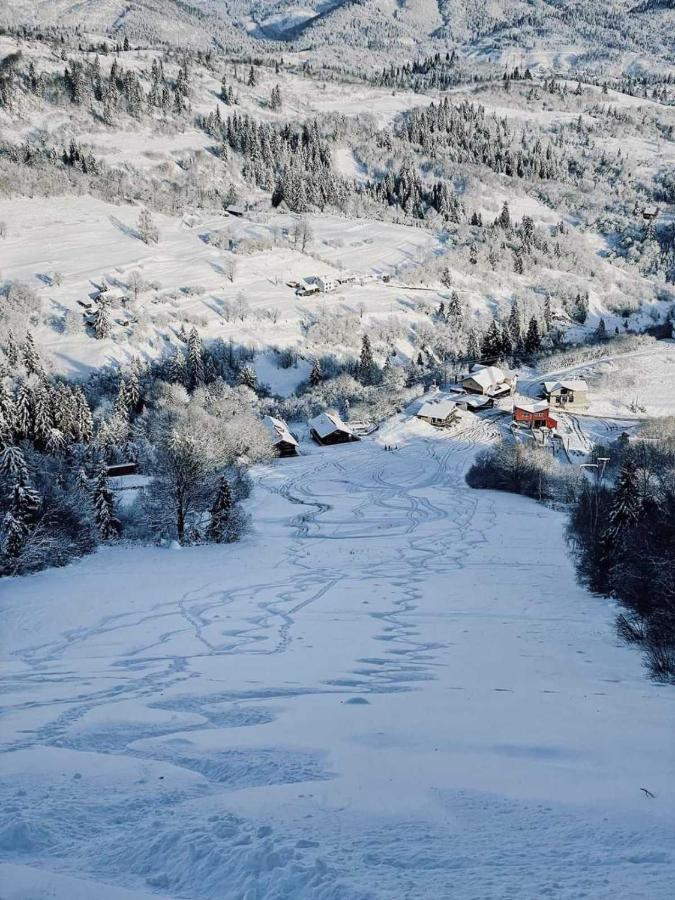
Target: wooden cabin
534,415
328,428
283,441
570,393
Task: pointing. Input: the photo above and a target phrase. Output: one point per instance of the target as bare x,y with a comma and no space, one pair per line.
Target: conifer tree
367,370
316,375
626,501
31,358
12,350
221,511
514,325
101,322
104,507
491,343
24,503
195,360
533,338
472,348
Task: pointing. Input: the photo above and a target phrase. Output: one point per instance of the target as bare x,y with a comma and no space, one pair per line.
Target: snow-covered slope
393,688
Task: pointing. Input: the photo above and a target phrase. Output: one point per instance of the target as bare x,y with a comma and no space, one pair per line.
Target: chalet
534,415
570,393
283,441
489,380
328,428
650,213
439,411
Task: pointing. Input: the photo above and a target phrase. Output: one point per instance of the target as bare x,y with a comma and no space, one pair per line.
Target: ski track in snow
175,746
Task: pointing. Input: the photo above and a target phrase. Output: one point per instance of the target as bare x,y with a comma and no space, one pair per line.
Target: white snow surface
394,688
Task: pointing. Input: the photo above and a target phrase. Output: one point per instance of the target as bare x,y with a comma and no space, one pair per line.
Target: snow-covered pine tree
31,357
101,322
13,463
316,375
24,503
194,360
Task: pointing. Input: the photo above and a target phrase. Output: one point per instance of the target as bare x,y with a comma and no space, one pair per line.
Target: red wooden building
534,415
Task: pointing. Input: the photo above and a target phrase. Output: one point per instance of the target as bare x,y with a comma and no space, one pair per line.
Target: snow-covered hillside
278,282
393,688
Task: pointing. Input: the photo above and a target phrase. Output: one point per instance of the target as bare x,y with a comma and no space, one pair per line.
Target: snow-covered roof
438,407
278,430
475,401
486,376
572,384
327,423
536,407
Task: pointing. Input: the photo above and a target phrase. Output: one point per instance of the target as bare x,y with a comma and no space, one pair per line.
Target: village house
439,411
328,428
568,394
489,380
326,283
283,441
534,415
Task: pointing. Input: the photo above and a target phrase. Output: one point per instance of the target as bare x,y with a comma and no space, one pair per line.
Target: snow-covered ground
393,689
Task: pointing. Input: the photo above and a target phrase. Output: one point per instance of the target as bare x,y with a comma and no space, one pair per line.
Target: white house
570,393
327,283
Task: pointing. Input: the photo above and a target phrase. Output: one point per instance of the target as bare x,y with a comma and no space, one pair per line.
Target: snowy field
394,688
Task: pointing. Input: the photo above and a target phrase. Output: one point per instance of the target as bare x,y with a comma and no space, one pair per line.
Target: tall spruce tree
533,338
367,370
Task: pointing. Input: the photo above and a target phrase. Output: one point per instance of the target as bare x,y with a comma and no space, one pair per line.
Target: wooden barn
534,415
490,381
282,439
328,428
569,394
439,411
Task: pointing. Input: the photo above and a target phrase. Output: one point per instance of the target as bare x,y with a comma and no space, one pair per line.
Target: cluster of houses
325,284
478,391
475,392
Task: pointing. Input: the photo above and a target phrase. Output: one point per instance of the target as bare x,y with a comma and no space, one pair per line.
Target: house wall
561,401
535,420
